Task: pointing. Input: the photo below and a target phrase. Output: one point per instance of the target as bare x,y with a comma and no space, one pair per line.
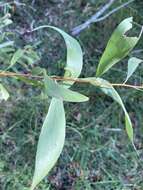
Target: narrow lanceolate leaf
4,95
74,54
74,61
4,21
133,63
51,141
6,44
108,89
29,81
53,131
118,47
17,55
59,91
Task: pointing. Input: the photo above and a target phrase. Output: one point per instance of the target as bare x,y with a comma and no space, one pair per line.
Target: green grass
97,153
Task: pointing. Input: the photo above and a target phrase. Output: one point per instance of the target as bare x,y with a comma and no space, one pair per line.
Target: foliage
53,130
118,47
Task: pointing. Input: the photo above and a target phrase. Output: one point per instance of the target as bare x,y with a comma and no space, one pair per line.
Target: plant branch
97,17
114,10
58,78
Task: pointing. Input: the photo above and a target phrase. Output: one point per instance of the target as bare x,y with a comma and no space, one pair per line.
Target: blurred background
97,154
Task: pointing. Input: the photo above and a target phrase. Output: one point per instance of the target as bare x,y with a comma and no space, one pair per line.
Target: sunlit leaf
4,95
108,89
133,63
118,46
51,141
53,89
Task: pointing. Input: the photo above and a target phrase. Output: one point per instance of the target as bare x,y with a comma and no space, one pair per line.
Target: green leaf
17,55
4,95
108,89
53,89
21,56
30,55
29,81
118,46
5,44
7,50
52,135
133,63
74,61
51,141
37,71
4,21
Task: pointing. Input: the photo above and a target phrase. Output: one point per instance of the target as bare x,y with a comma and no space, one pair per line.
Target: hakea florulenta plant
52,136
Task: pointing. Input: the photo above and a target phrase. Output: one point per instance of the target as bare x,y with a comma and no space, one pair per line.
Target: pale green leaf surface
73,69
6,44
4,21
74,54
7,50
29,81
108,89
17,55
51,141
37,71
53,89
30,55
118,47
133,63
74,61
54,125
4,95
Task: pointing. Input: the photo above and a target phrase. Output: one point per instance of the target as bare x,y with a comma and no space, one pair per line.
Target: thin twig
58,78
128,85
81,27
114,11
97,17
